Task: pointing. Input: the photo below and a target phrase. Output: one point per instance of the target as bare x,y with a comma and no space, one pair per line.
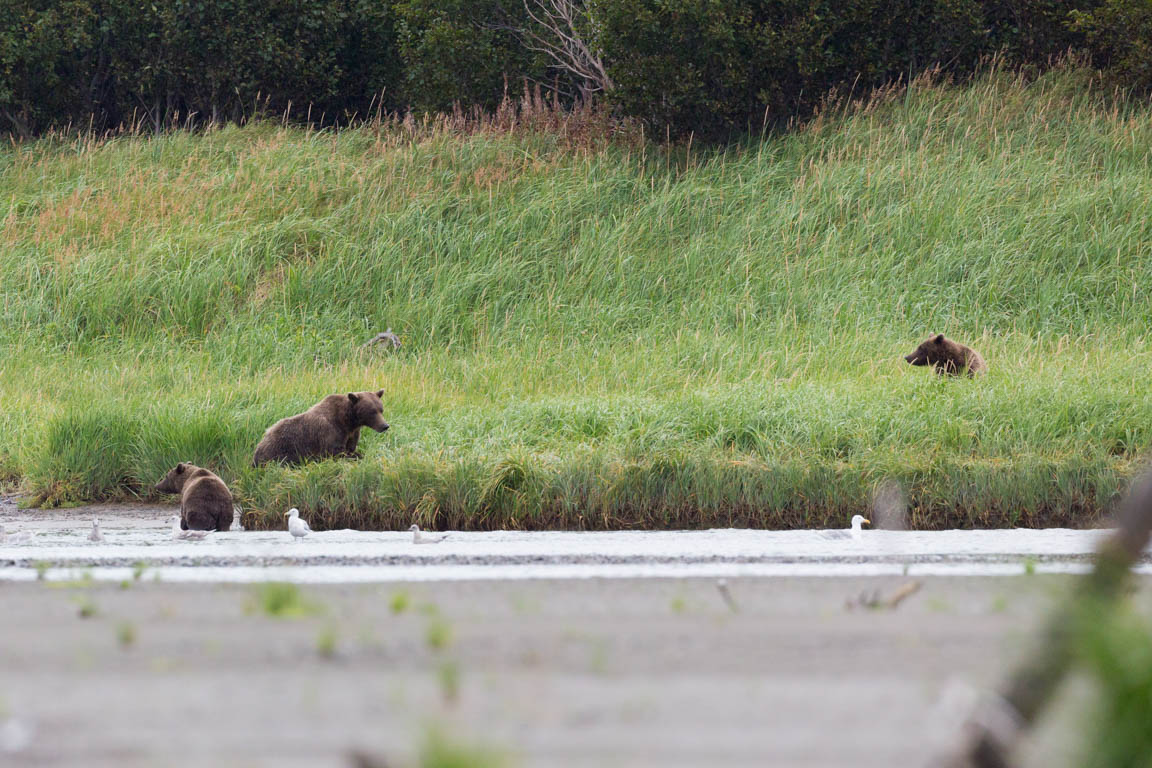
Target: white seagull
297,526
177,533
422,538
20,537
856,532
94,534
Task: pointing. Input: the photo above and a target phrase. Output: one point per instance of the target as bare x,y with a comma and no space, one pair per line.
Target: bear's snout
382,426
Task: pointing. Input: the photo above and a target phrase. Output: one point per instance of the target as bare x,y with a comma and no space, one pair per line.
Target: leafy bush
708,67
128,61
461,51
1119,35
41,45
712,66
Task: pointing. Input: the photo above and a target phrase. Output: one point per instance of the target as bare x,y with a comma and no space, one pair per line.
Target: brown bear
948,357
205,501
329,428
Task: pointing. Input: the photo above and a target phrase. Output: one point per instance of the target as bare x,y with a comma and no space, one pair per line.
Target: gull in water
185,535
94,534
20,537
856,532
423,538
297,526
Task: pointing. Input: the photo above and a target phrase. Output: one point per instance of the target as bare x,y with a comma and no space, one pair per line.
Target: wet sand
558,673
574,672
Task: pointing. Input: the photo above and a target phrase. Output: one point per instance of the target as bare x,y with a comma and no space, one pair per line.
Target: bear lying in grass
205,501
331,428
948,357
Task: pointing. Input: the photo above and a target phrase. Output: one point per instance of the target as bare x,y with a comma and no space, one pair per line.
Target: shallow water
60,549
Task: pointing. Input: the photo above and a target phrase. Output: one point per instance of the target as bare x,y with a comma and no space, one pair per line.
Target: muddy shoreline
562,661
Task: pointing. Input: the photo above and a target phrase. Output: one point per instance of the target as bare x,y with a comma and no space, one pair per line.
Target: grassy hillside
625,336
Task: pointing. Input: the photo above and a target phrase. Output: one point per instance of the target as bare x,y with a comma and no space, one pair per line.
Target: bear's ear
353,397
939,338
180,468
379,393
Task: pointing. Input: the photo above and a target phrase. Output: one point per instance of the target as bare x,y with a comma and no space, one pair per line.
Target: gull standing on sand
179,534
20,537
422,538
297,526
94,534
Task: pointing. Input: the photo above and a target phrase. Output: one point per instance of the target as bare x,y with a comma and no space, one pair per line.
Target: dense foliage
704,66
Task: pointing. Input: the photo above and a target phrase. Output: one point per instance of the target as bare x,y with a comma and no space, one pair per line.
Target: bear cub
205,501
948,357
329,428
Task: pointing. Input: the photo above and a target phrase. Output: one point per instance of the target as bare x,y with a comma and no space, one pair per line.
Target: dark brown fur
205,501
948,357
329,428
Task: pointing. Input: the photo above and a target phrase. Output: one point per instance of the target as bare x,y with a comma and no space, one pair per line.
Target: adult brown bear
328,429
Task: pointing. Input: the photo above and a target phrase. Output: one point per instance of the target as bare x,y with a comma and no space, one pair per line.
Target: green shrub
706,67
1119,35
462,51
712,66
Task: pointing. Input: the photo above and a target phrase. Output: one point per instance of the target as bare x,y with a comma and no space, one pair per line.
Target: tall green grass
628,336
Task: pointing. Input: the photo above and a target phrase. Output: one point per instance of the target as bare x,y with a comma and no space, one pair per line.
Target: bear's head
930,352
173,482
367,410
